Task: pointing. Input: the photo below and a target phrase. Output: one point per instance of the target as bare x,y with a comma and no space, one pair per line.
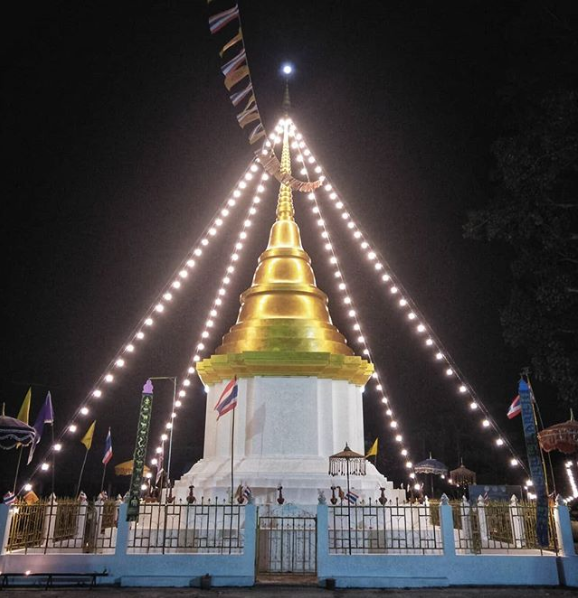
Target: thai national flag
228,399
9,498
352,497
107,448
515,408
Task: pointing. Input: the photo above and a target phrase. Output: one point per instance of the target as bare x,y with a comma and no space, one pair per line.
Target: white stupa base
303,479
285,429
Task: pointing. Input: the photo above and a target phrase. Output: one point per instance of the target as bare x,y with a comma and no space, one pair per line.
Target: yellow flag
87,438
373,450
24,412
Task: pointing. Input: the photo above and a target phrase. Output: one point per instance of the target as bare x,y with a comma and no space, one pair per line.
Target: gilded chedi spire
284,326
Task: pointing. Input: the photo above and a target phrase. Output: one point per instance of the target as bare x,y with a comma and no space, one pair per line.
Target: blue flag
535,462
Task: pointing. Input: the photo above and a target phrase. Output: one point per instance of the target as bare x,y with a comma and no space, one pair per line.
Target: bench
59,578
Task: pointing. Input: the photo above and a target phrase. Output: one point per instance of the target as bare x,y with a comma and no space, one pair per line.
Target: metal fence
499,527
63,526
287,545
188,528
379,529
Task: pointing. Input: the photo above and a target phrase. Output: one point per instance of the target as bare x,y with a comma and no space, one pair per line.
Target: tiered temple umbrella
347,462
431,467
14,432
462,476
561,437
126,468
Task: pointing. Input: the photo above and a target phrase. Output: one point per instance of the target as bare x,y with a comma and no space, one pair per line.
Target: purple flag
45,416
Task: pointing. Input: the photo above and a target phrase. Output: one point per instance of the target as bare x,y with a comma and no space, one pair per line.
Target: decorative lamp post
347,463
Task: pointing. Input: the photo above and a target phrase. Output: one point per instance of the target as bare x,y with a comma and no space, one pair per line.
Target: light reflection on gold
283,311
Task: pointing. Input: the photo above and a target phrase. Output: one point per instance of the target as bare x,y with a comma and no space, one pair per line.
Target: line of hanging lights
571,480
160,305
343,288
211,320
395,291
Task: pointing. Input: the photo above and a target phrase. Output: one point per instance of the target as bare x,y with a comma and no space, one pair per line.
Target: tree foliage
534,203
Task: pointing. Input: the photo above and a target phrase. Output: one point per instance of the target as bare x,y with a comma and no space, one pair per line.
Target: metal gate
287,545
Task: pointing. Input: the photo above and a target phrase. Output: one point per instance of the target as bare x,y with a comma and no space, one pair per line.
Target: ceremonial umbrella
347,462
126,468
562,437
462,476
431,467
14,432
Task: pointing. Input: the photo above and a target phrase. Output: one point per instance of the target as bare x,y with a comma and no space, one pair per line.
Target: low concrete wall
348,571
447,569
174,570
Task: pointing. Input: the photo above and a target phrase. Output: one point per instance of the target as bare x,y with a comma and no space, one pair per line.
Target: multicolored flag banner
225,22
535,462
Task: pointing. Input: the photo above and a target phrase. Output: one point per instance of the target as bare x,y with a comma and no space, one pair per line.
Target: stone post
517,522
50,519
250,543
81,518
122,532
483,520
447,526
563,528
99,508
322,538
466,519
6,514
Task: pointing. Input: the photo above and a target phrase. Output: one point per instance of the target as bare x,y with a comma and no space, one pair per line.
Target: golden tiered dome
284,327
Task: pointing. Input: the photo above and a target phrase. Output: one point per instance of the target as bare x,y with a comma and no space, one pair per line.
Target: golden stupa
284,327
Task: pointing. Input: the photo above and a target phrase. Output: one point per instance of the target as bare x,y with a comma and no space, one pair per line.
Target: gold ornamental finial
284,326
285,209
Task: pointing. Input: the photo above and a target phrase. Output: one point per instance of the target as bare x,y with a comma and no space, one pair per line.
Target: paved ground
289,592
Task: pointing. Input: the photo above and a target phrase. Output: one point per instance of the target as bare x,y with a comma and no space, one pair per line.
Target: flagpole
103,474
81,472
17,469
232,452
53,457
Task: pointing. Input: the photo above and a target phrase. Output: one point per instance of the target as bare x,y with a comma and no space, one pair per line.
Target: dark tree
534,204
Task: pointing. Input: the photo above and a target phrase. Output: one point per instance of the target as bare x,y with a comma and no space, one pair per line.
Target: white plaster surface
285,429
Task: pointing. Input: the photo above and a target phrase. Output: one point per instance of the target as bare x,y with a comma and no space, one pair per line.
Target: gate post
447,525
122,532
563,528
6,514
322,539
250,542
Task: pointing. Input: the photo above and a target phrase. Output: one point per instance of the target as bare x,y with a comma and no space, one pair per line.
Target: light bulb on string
450,371
158,307
349,301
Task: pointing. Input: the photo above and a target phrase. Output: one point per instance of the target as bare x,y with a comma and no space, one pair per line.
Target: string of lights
571,480
343,290
170,290
213,314
396,292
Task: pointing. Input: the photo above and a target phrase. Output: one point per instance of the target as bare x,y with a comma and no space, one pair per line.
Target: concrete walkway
290,591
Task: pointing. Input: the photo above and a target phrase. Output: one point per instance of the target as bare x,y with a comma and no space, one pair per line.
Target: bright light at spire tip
287,68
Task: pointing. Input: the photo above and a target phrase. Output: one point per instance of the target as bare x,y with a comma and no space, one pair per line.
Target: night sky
122,143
